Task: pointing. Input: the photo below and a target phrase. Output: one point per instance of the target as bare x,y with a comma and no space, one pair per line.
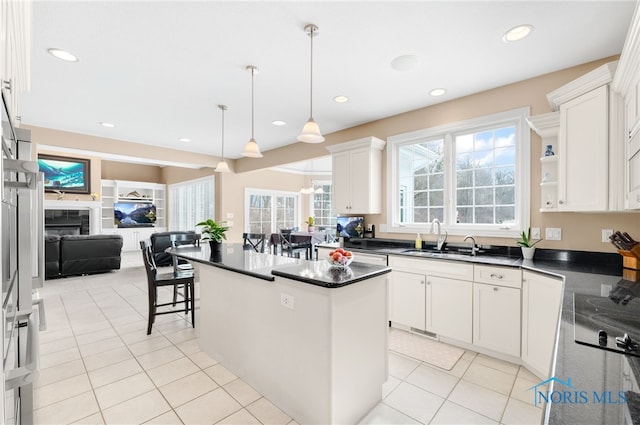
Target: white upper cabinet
627,84
357,176
586,133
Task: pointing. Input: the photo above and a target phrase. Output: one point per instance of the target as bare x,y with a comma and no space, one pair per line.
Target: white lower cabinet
131,237
424,297
449,308
496,309
408,295
541,301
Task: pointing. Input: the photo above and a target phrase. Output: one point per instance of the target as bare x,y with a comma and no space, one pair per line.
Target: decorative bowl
340,258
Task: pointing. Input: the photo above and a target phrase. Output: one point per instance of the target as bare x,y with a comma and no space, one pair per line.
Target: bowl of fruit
340,258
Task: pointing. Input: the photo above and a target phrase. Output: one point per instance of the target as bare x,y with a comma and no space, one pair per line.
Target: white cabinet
408,295
357,176
131,237
627,83
585,131
433,296
15,54
496,309
583,152
541,301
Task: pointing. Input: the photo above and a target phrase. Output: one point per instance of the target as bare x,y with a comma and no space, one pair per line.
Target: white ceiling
158,69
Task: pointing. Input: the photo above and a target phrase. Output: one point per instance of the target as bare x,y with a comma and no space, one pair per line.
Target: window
472,176
321,205
190,202
270,211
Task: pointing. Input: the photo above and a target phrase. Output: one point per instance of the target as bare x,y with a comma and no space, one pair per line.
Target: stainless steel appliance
21,269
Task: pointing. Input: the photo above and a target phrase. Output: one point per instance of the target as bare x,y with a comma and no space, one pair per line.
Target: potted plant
526,244
311,222
214,232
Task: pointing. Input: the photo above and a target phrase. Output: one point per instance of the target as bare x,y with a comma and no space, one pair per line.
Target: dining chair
292,248
255,241
155,281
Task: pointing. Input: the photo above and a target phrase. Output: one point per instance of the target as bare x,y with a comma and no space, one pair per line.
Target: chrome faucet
474,248
441,238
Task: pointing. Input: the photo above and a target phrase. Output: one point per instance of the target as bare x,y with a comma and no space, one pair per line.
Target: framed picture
69,175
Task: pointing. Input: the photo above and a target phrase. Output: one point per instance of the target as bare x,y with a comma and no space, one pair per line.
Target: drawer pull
422,282
495,289
496,276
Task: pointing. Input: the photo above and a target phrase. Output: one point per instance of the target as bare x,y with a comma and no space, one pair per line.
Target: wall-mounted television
350,227
69,175
134,214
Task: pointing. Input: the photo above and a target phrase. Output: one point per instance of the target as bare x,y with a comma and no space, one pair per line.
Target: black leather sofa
81,254
160,242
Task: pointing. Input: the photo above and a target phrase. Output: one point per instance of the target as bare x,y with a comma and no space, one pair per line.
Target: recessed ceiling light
107,124
341,99
63,55
437,92
517,33
278,122
184,139
405,62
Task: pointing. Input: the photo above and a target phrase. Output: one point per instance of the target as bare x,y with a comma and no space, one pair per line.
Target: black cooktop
609,323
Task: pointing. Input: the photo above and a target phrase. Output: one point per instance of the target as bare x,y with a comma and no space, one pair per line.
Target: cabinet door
341,186
633,172
541,298
449,307
408,299
496,318
632,108
583,173
359,162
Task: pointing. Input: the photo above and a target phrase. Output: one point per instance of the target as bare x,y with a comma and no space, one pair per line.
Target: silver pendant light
251,149
311,130
222,166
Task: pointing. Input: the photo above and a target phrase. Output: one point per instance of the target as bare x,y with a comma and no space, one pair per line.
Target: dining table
299,237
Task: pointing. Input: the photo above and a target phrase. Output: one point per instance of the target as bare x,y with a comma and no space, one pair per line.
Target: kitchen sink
487,259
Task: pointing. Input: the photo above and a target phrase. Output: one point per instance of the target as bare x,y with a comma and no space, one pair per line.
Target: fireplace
66,222
71,217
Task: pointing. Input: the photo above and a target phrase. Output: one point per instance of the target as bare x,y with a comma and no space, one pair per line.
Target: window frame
248,191
448,132
174,207
311,206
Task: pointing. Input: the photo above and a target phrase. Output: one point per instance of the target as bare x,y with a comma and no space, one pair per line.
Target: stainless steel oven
21,255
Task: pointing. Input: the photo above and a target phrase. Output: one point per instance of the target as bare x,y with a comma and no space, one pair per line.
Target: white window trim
253,191
172,208
523,175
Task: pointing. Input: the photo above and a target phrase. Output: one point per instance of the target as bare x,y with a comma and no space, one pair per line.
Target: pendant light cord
222,109
311,34
252,118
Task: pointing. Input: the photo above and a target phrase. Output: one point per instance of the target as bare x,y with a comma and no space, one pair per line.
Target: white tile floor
100,367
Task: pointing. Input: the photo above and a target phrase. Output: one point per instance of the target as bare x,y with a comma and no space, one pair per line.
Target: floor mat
424,349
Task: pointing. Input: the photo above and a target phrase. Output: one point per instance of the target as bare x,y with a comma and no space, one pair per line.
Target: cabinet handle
638,197
422,282
495,289
6,84
496,276
561,202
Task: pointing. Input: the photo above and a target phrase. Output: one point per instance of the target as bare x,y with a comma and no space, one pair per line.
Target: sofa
160,241
70,255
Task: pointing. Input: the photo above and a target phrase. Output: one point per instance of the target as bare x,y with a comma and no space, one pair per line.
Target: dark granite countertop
265,266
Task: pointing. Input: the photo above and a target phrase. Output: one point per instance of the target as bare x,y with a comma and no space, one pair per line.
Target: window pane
465,196
505,214
505,195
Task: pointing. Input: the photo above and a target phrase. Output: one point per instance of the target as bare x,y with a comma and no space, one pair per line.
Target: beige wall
580,231
112,170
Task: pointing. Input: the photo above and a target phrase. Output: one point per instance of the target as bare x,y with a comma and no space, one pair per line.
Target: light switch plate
229,215
535,233
553,234
605,235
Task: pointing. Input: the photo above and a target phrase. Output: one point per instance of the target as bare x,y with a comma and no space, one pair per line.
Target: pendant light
311,131
251,149
222,166
311,189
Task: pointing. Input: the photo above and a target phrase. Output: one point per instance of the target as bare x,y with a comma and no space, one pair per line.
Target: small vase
215,246
549,151
312,229
528,252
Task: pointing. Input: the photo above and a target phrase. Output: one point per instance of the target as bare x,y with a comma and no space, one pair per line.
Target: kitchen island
310,338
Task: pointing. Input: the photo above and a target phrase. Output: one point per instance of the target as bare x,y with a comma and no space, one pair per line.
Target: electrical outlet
535,233
229,215
229,223
553,234
605,234
286,300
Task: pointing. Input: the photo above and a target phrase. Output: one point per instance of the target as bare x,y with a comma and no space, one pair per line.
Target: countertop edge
292,276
